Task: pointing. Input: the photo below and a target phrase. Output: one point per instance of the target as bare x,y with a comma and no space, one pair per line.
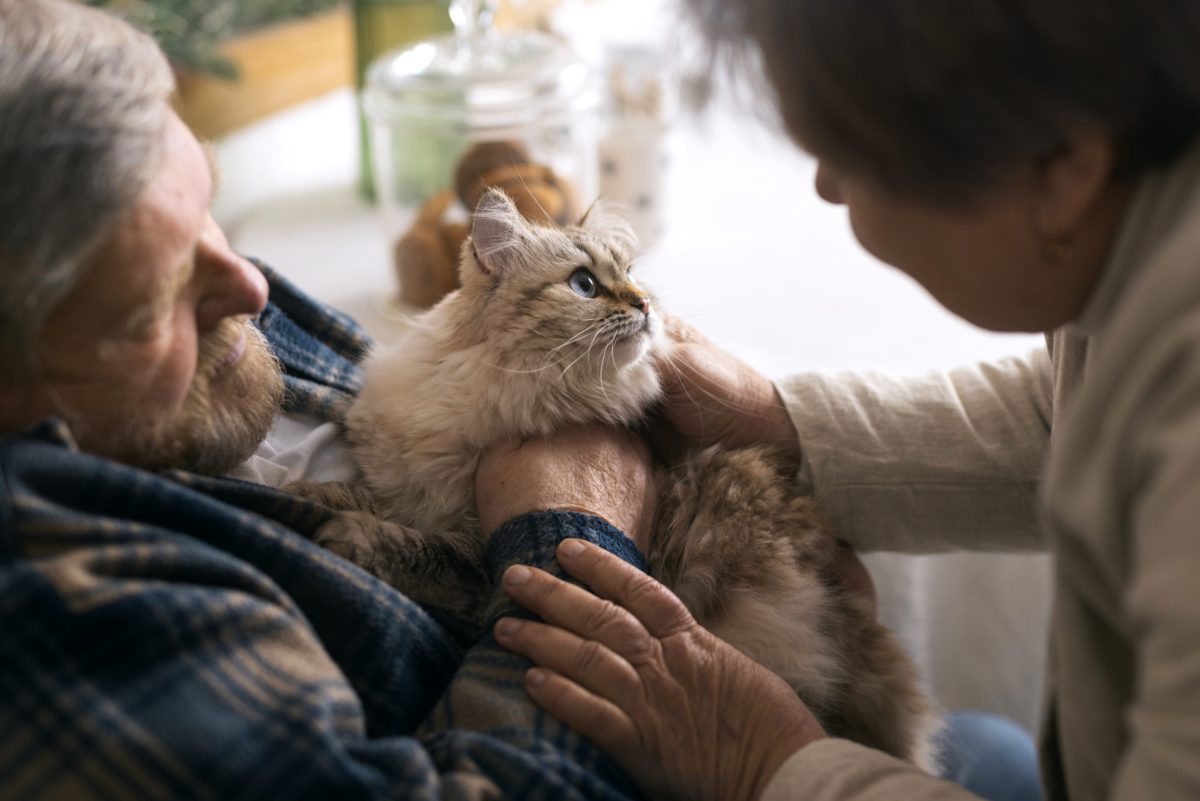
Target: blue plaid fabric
174,636
318,347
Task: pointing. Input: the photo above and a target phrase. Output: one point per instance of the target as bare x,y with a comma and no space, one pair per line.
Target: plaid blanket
177,636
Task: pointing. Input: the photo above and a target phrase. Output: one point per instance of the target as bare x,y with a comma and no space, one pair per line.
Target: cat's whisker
534,196
591,344
582,333
514,370
742,408
687,391
541,335
610,350
716,399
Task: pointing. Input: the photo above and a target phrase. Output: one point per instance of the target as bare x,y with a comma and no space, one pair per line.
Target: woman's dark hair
935,98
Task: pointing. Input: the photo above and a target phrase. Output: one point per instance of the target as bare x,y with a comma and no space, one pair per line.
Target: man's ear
1072,181
497,233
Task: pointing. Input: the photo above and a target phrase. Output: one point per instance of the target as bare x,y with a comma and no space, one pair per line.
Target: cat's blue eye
584,283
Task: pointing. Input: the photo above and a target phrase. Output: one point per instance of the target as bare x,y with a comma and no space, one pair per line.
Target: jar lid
478,80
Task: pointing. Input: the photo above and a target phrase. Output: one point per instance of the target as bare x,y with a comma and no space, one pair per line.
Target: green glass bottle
380,26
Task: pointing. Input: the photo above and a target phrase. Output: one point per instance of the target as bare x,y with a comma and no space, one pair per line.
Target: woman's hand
711,397
601,470
685,715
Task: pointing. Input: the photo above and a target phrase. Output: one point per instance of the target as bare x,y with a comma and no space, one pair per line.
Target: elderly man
171,634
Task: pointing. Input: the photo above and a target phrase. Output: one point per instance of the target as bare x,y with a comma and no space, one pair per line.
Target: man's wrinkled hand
686,715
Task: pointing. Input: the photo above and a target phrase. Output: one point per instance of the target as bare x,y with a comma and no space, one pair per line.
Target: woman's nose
228,284
827,185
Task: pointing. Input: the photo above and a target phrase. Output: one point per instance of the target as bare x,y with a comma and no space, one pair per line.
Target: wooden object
280,66
527,14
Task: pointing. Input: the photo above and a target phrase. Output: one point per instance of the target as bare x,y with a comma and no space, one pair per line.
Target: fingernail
508,626
535,677
571,547
517,575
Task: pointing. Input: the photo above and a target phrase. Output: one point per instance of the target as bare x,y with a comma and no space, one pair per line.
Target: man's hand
596,469
711,397
686,715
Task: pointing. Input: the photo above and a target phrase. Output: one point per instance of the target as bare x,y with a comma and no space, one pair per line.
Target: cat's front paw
352,536
442,571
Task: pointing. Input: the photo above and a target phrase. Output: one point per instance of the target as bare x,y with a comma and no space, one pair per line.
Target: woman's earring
1059,250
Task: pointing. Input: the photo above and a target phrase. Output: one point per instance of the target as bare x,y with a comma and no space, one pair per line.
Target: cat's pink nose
641,303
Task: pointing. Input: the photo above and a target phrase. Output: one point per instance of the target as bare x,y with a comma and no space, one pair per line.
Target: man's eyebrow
214,167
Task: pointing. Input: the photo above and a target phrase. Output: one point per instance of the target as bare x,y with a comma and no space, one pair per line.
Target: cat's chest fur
430,407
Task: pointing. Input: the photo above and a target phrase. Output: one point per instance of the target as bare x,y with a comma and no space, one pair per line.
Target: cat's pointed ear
606,218
587,215
497,232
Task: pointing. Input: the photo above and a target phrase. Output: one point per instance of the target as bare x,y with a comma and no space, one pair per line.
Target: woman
1034,165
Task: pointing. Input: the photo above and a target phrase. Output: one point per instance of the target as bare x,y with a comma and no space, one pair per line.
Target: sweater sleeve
839,770
945,461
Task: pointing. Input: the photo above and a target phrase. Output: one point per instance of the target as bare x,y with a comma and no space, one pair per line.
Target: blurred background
352,138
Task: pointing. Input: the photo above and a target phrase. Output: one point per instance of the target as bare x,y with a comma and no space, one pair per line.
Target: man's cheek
173,374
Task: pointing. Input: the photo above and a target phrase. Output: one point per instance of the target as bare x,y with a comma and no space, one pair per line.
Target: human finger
614,579
571,607
679,331
595,718
591,664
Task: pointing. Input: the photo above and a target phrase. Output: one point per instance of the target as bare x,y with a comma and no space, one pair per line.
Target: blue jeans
991,756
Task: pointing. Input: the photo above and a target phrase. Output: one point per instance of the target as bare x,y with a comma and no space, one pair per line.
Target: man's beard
226,414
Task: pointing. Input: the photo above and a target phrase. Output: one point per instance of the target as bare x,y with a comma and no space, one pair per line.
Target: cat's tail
879,701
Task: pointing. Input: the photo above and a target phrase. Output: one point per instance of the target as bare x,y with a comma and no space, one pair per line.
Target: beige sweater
953,461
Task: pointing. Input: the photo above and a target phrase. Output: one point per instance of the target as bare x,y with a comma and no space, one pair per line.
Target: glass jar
451,116
380,26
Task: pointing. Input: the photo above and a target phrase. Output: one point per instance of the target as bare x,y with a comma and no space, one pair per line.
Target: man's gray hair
83,110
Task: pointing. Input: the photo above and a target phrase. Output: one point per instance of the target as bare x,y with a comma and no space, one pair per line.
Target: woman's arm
939,462
946,461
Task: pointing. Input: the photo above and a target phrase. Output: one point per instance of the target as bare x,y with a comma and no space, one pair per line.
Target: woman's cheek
860,225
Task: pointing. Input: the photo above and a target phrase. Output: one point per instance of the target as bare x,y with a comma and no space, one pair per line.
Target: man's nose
228,284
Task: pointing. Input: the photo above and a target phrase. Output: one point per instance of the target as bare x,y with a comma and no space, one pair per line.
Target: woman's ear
1072,181
497,232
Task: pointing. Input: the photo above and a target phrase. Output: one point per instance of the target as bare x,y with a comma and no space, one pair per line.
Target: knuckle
642,649
602,615
638,586
542,588
668,613
589,658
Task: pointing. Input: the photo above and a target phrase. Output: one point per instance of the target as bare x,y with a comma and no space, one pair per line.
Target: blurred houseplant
192,31
238,61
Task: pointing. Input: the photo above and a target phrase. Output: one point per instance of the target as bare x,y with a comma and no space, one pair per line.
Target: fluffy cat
549,328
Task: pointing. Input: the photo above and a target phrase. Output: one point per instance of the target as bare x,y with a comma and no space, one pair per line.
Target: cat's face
562,297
